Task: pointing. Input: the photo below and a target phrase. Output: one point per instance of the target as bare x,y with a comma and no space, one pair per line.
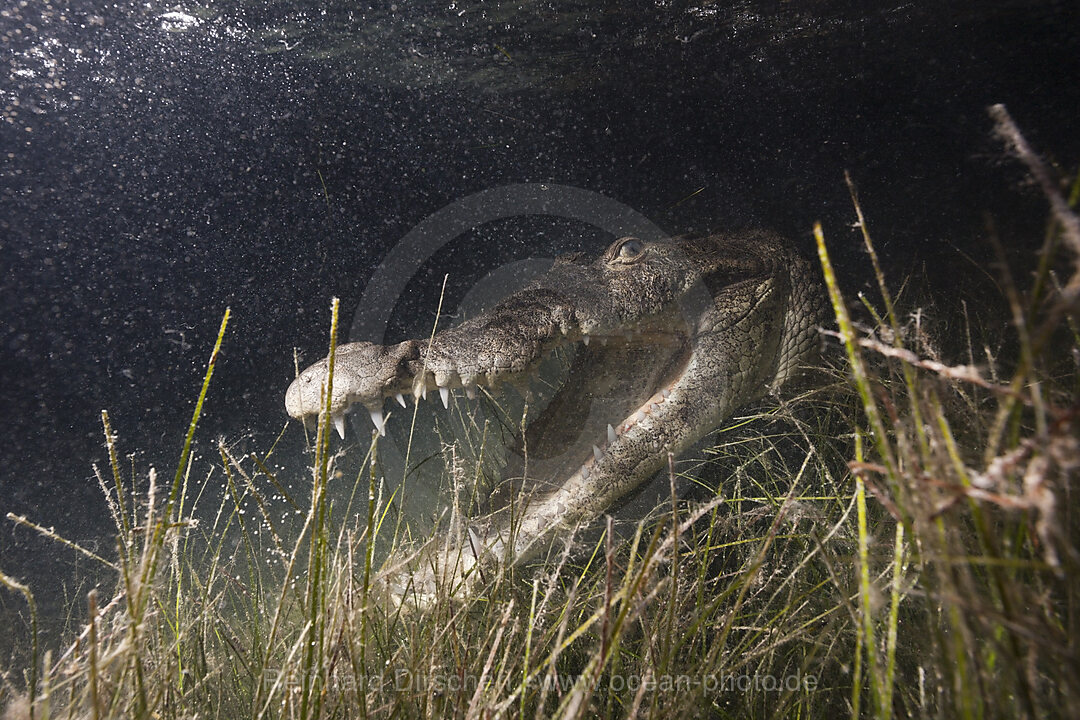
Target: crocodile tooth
377,418
400,400
338,419
654,407
611,434
597,453
666,393
585,339
585,472
444,393
470,391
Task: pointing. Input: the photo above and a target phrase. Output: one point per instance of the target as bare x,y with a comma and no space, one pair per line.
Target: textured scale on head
673,336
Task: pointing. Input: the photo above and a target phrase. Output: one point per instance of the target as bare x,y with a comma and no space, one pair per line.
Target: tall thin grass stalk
32,679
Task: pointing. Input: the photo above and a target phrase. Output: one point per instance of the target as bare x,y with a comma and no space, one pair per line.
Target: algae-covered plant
898,541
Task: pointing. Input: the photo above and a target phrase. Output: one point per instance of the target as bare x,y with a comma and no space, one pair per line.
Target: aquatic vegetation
897,542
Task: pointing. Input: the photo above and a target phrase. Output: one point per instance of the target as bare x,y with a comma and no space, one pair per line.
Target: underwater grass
895,541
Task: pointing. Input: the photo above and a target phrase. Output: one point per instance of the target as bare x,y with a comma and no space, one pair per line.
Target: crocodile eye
630,249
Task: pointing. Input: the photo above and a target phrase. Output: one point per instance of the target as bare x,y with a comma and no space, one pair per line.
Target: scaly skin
697,327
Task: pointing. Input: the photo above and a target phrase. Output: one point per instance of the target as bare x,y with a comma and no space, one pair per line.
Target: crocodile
668,339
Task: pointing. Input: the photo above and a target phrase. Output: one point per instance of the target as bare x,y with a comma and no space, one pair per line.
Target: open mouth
610,385
579,396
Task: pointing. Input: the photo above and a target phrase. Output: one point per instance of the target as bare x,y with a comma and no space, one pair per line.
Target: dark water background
159,162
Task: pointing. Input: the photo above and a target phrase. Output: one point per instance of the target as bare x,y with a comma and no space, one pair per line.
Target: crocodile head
669,338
